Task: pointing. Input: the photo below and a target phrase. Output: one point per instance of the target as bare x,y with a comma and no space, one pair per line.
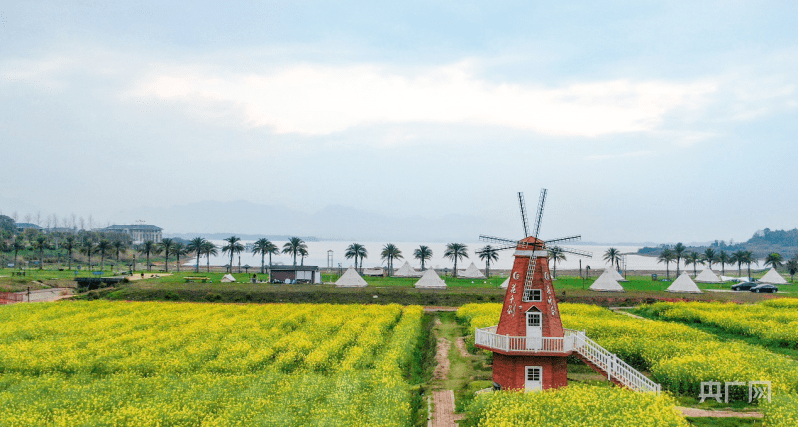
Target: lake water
318,256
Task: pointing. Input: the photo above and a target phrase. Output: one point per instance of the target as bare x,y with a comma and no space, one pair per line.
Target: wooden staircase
606,363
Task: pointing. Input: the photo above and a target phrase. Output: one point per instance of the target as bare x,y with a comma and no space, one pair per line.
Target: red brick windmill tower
529,346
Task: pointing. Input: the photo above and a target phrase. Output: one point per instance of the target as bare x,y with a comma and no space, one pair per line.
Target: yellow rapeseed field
158,364
576,405
678,356
775,321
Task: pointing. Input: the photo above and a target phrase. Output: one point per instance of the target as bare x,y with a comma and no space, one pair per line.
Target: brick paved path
444,415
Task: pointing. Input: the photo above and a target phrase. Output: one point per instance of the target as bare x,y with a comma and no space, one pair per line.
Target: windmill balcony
488,339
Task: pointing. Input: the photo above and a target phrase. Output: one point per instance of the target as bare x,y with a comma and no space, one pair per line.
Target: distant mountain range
247,219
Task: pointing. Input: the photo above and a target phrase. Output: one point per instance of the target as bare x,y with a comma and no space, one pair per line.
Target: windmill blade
499,240
500,248
539,216
522,203
586,254
564,239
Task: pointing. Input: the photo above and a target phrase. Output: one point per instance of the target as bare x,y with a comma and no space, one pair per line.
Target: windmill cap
524,244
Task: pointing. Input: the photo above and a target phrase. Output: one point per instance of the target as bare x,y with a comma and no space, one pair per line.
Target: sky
646,121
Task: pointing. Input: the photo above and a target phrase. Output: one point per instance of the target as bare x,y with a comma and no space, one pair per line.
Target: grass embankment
387,289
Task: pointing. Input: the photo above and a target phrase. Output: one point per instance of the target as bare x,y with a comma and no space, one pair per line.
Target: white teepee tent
773,277
708,276
350,279
472,272
406,270
614,275
228,278
684,284
505,283
431,280
606,283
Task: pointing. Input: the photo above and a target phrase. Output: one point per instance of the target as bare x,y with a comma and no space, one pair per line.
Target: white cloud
320,100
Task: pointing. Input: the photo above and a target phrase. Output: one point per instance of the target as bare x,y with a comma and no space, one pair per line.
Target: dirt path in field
461,346
443,414
622,310
442,360
695,412
45,295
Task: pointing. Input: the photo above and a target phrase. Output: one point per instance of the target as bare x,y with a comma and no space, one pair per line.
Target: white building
139,233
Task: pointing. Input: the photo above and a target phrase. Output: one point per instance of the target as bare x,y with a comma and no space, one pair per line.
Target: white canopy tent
350,279
406,270
606,283
376,271
228,278
505,283
773,277
472,272
684,285
430,280
708,276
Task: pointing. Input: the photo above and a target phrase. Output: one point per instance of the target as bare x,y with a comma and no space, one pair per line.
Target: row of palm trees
708,257
233,246
71,244
390,252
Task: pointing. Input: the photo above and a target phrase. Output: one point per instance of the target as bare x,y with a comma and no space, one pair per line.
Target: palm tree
710,256
303,253
40,244
748,258
166,247
667,257
178,248
455,251
293,247
423,253
103,247
678,253
613,256
119,247
739,259
488,254
233,246
208,249
389,253
774,260
693,258
88,247
792,266
147,248
356,250
195,246
723,259
69,245
263,246
556,254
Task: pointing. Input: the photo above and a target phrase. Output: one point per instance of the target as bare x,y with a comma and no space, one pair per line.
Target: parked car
744,286
765,287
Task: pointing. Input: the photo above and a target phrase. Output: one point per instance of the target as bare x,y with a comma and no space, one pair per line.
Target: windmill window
533,295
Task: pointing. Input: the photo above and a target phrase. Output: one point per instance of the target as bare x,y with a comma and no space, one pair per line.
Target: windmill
536,243
530,346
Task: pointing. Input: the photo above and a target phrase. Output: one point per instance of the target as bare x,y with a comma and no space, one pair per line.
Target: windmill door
534,378
534,330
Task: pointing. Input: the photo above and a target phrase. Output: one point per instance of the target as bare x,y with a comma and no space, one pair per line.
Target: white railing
610,363
572,341
489,338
